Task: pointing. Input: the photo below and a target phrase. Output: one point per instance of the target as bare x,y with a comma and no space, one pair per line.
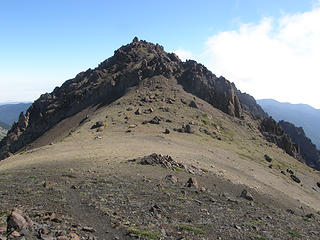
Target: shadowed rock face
274,133
308,150
130,65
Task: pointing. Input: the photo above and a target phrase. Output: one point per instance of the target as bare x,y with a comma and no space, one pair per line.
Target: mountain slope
9,113
4,125
130,65
3,133
84,163
300,114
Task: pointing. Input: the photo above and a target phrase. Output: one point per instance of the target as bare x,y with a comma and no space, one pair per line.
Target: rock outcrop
308,150
274,133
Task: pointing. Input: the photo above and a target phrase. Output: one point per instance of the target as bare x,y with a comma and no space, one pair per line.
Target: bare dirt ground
77,180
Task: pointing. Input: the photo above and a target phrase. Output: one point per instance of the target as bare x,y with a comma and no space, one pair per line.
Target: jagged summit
131,65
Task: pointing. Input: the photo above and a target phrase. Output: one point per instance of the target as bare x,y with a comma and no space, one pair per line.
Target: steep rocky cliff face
308,150
274,133
131,65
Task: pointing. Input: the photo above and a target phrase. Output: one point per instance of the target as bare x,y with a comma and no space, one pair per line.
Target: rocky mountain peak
132,64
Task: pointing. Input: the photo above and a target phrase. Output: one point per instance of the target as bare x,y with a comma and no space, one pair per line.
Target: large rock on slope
130,65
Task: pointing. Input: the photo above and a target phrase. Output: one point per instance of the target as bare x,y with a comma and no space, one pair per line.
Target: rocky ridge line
130,65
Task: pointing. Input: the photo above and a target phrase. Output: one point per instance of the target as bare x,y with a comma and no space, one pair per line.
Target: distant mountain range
9,113
301,115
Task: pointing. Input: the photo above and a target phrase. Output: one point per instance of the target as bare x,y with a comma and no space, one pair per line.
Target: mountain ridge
301,115
130,64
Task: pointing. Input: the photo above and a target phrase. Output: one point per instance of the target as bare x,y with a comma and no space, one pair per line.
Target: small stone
295,178
189,129
290,171
74,236
138,111
237,227
310,215
172,178
192,182
167,131
48,185
88,229
193,104
97,125
246,195
62,238
15,234
290,211
269,159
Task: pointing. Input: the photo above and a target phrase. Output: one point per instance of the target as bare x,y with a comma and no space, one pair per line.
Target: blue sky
44,43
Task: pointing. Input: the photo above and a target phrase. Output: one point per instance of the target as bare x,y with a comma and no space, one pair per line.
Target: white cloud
183,54
276,58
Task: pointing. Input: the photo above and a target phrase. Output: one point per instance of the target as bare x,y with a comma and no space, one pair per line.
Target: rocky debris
290,211
308,150
266,157
48,184
148,111
170,100
185,129
155,120
318,184
173,179
295,178
138,111
193,104
15,221
98,124
192,182
155,159
155,211
246,195
289,171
